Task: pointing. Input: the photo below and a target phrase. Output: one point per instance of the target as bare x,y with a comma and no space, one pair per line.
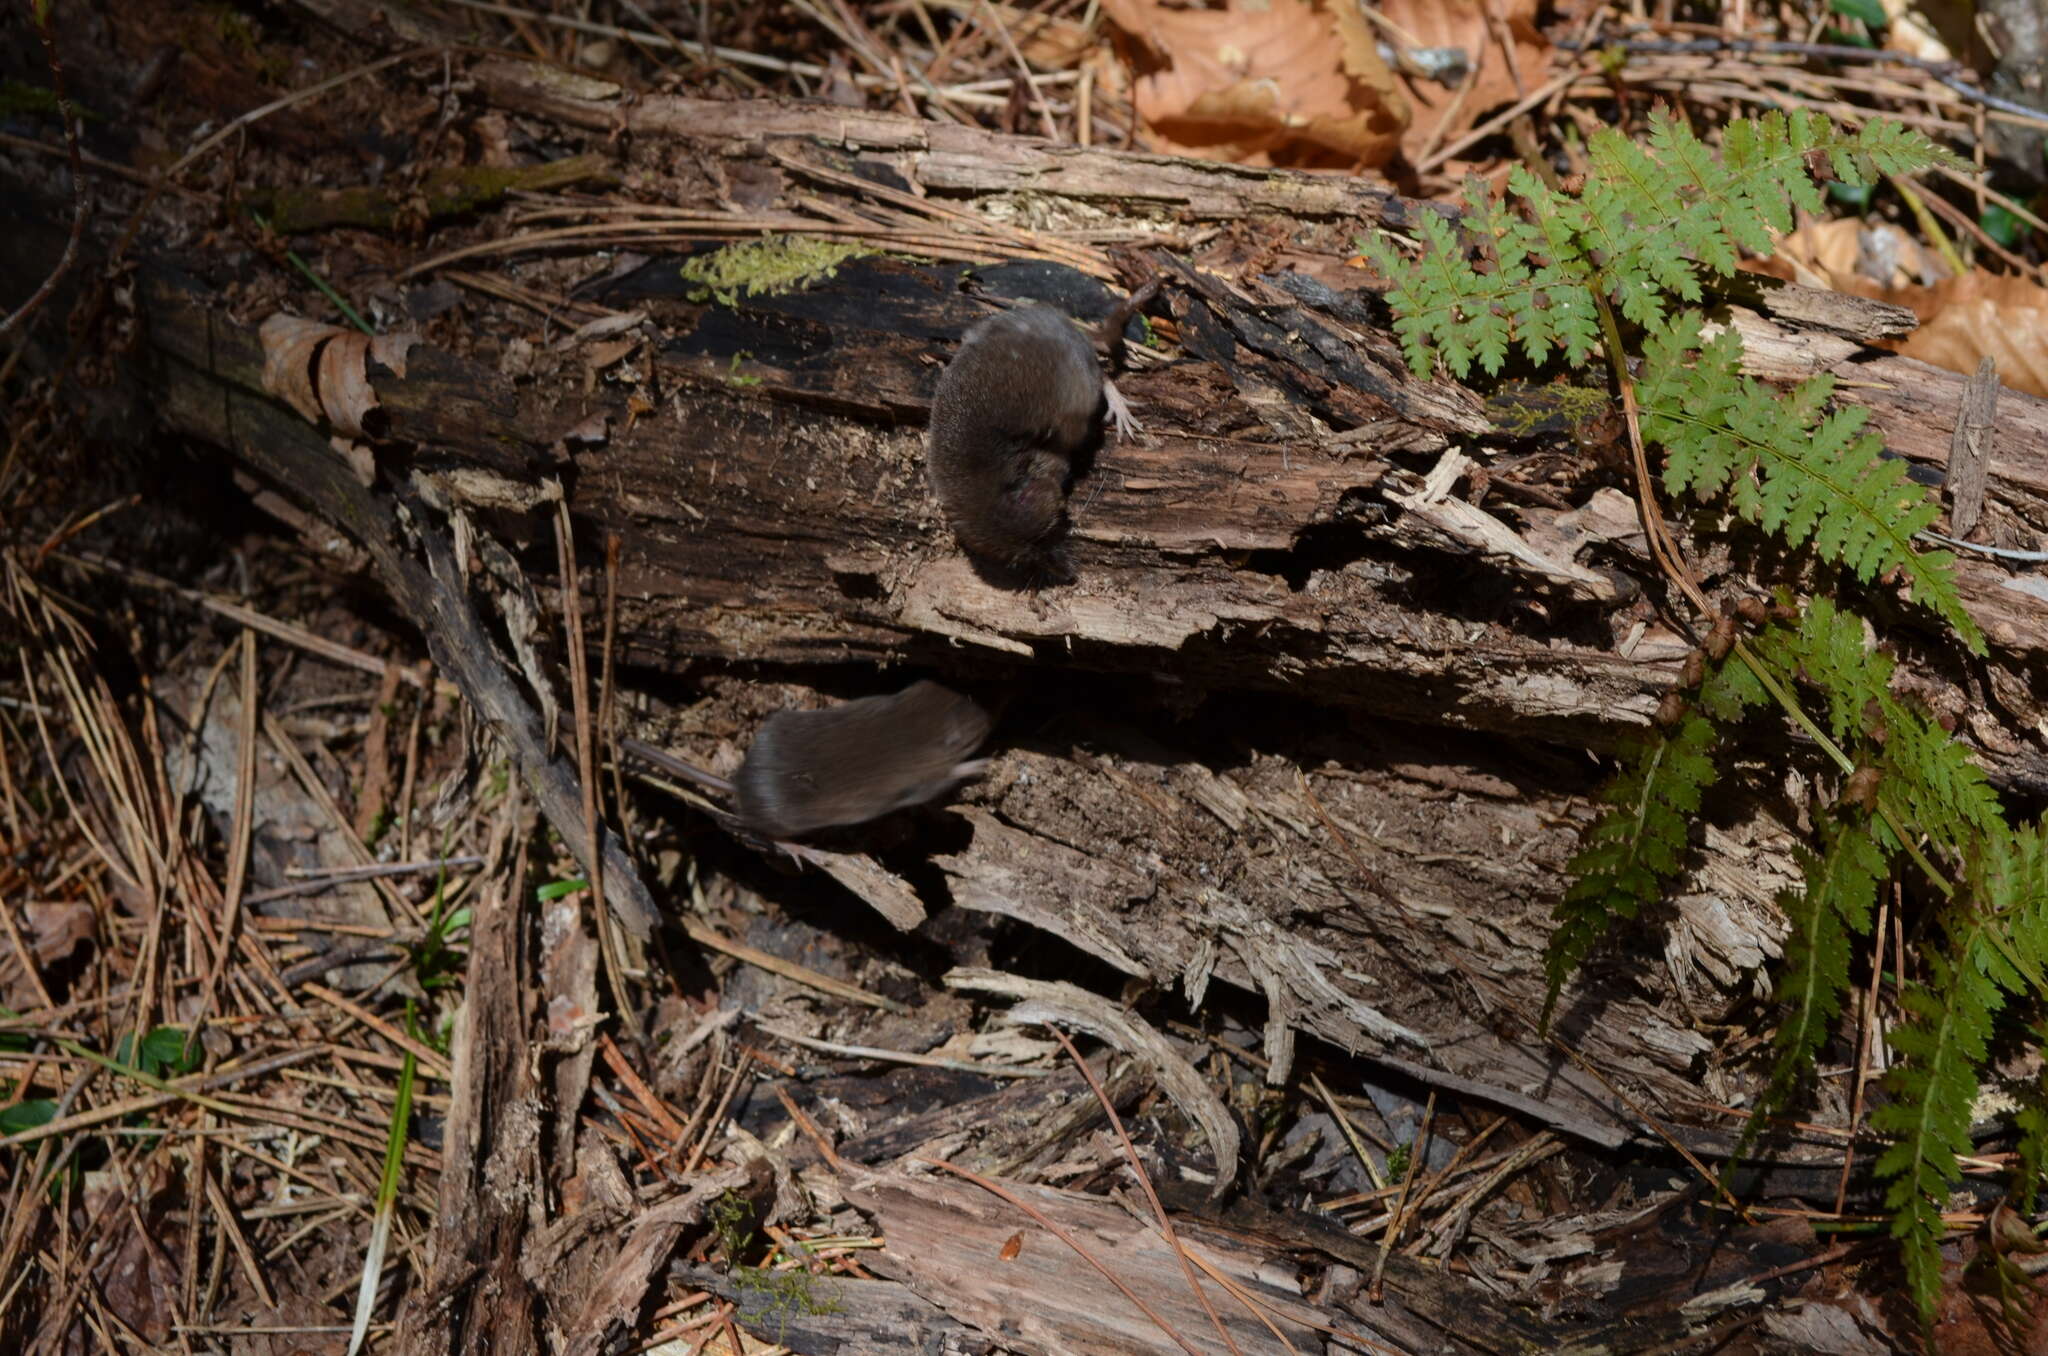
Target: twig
968,93
1944,71
2001,552
586,758
1030,80
316,879
430,1059
409,780
1372,1169
1452,1168
608,697
898,1056
270,626
1258,1306
1527,1154
1865,1030
244,828
803,1122
704,935
703,1145
646,1096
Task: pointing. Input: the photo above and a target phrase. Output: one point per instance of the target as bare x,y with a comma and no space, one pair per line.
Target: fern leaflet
1626,856
1723,433
1933,1090
1994,939
1841,889
1639,844
1928,780
2030,1157
1535,270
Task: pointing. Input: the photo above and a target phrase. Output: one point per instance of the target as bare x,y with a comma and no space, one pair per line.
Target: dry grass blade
387,1199
244,826
1252,1302
609,943
1351,1135
285,631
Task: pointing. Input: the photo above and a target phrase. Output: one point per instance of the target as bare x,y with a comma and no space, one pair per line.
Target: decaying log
1312,723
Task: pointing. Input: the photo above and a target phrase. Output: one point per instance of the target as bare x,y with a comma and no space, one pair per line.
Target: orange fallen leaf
1962,320
1262,82
1854,255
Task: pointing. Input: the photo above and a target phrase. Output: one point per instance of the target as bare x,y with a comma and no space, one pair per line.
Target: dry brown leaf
322,370
1933,35
1962,320
135,1266
1865,259
1462,24
53,930
1047,41
1977,315
56,929
1262,82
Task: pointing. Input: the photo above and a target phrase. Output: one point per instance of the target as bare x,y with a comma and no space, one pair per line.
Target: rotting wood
474,1297
947,1241
839,1315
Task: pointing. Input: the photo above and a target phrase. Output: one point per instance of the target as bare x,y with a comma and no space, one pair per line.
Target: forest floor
314,1032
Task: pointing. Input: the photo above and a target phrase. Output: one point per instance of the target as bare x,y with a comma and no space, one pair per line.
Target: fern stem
1797,713
1942,244
1655,532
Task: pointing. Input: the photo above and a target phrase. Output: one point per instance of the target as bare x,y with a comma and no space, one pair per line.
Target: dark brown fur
1022,395
811,770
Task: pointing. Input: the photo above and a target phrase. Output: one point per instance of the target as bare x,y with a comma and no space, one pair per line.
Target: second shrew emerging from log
846,764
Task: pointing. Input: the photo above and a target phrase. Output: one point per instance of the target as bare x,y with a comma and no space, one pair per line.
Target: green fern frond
2030,1154
1648,219
1996,935
1933,1091
2009,878
1625,858
1831,650
1628,854
1528,285
1729,690
1678,204
1929,782
1841,890
1724,434
1534,270
1932,786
